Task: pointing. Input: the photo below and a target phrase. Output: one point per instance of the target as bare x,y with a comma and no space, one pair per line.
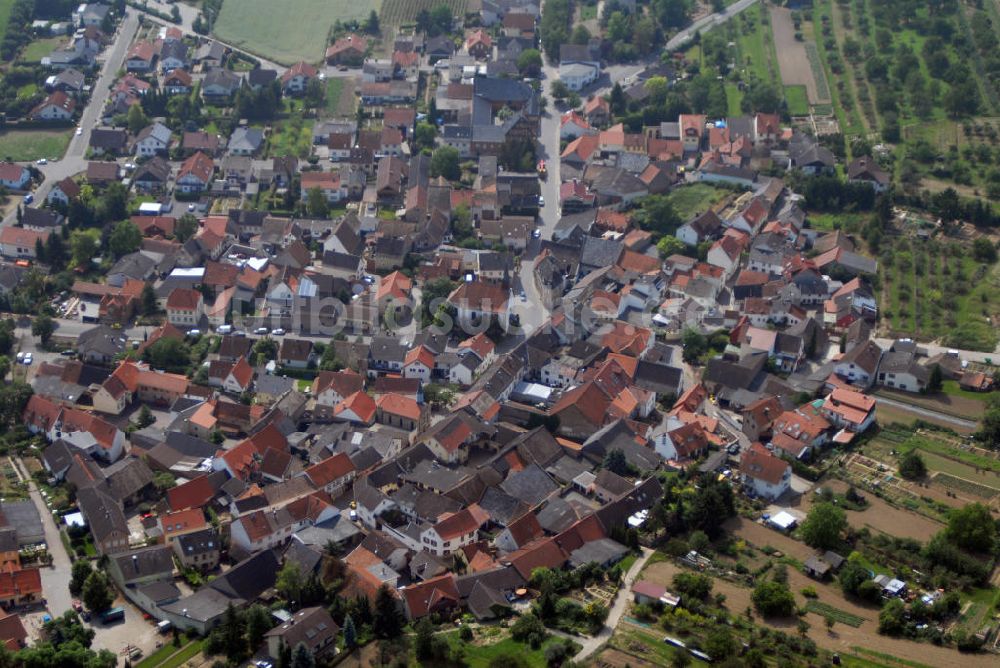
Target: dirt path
843,638
792,59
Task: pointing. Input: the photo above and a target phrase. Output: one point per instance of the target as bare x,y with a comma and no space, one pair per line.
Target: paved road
920,411
55,579
706,23
593,643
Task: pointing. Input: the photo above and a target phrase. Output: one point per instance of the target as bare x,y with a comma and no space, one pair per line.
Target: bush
465,633
529,629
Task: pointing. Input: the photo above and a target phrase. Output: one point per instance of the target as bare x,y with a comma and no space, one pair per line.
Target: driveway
55,578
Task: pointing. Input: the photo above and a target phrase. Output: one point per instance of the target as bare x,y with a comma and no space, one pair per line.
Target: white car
194,333
261,663
20,357
260,330
541,200
79,131
278,332
224,329
41,161
28,359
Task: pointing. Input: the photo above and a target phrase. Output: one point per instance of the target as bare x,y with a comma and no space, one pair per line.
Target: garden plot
798,60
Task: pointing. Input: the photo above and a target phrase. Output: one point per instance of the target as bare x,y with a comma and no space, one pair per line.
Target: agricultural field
286,31
403,12
828,611
30,145
932,289
798,59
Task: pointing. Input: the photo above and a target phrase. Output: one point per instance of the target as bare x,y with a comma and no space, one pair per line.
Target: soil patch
881,516
793,58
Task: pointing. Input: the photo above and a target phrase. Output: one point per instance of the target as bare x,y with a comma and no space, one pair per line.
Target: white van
164,626
224,329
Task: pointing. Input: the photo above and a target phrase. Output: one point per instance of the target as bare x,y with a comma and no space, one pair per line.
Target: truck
113,615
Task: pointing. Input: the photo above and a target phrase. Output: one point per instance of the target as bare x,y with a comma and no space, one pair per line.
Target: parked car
279,332
260,330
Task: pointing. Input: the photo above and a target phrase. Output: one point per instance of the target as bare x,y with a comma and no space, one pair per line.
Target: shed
815,567
782,521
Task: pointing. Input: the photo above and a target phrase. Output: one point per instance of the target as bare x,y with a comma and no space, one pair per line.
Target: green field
286,31
25,145
797,99
40,48
169,656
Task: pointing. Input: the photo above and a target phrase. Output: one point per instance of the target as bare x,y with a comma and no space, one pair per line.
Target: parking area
132,631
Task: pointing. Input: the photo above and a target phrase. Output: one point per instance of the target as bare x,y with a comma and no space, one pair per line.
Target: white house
56,107
419,363
767,475
152,140
13,176
454,532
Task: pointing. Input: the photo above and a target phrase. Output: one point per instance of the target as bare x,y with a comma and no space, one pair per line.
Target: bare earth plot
286,31
880,516
794,59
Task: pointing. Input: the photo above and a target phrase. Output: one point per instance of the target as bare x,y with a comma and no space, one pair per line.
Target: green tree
823,526
265,350
912,466
168,354
55,252
83,247
984,250
258,622
97,594
68,629
972,528
145,417
185,227
529,63
424,135
79,573
693,585
43,327
423,641
773,599
694,343
670,245
302,657
316,204
446,162
615,462
290,581
125,238
936,380
350,633
892,618
720,644
136,119
147,300
387,621
372,24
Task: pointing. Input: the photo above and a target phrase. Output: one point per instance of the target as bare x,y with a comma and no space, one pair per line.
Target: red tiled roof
359,403
330,469
20,583
397,404
183,520
345,382
422,598
540,554
758,463
198,165
194,493
184,299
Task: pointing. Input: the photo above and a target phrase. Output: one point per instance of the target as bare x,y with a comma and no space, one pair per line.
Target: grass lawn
828,222
755,48
733,98
951,388
334,88
301,384
157,657
291,138
627,636
30,145
479,656
692,200
588,12
798,101
286,31
627,563
870,657
183,656
39,48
